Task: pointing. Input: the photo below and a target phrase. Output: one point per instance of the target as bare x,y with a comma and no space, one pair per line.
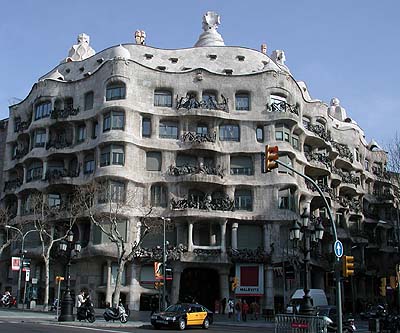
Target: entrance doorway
201,285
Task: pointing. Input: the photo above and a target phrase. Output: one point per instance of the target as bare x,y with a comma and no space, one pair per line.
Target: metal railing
287,323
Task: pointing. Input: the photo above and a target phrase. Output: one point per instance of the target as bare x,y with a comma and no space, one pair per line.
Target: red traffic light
271,155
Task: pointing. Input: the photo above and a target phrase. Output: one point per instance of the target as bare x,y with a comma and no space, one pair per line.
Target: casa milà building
186,130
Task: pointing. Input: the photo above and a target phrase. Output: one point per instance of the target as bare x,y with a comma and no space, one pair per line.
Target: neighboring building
185,129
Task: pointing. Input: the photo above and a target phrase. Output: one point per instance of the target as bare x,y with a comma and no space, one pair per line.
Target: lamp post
304,231
21,260
164,305
67,303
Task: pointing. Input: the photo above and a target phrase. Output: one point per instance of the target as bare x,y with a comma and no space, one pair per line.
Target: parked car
318,299
183,315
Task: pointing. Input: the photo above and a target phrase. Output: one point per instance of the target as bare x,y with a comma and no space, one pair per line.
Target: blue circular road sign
338,248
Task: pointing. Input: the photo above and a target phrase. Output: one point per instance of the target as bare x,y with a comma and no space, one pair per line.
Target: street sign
15,262
338,248
27,274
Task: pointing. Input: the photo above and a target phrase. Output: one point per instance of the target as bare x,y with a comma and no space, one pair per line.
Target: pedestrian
80,299
223,305
231,306
238,309
245,310
256,311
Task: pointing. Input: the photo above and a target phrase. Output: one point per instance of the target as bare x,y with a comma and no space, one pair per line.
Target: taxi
183,315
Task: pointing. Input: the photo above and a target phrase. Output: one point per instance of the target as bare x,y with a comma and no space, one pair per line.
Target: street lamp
308,233
21,259
164,305
67,303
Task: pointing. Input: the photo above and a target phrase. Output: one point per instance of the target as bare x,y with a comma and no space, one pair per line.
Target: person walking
223,305
231,307
238,309
245,310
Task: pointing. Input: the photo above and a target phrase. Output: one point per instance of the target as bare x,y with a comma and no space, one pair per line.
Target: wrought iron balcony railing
58,144
343,150
12,184
283,107
189,102
319,157
192,170
19,153
21,126
347,177
320,131
224,204
198,138
65,113
258,255
56,174
156,253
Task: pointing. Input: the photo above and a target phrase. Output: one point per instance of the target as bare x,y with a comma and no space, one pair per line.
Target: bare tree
9,237
115,206
46,221
394,156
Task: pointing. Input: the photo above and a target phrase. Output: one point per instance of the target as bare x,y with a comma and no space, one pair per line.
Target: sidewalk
136,319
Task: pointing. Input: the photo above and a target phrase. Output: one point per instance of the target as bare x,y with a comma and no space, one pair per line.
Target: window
42,110
295,141
286,199
168,130
196,196
89,164
241,165
202,129
282,133
158,196
113,120
146,127
81,133
306,122
153,161
183,159
54,200
40,138
243,200
115,91
285,159
275,99
34,172
242,102
229,133
260,134
112,154
95,129
366,165
209,99
357,154
114,191
89,97
162,98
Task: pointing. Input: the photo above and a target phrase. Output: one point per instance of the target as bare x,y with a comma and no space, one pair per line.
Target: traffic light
234,283
382,287
271,155
59,279
348,266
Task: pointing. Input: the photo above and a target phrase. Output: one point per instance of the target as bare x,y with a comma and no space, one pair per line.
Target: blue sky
342,48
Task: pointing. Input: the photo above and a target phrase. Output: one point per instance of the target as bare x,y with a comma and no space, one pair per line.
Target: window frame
225,129
167,126
160,95
88,101
159,199
238,97
155,155
111,90
246,195
43,110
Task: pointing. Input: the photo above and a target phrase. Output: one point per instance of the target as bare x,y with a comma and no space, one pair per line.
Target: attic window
265,62
186,68
87,74
100,60
173,60
228,71
82,69
240,58
161,68
212,56
67,70
148,56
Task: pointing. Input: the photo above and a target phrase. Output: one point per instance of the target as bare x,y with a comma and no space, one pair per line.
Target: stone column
267,237
176,283
190,236
97,156
213,236
224,284
109,290
234,242
268,301
44,169
223,236
134,287
19,206
24,171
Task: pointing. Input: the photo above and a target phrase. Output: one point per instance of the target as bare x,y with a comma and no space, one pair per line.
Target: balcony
21,126
65,113
383,176
320,131
57,174
319,157
193,170
11,185
198,138
224,204
58,144
19,153
156,253
343,150
283,107
353,204
190,102
347,177
249,255
324,188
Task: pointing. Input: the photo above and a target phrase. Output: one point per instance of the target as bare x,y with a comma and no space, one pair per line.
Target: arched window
163,98
115,90
158,196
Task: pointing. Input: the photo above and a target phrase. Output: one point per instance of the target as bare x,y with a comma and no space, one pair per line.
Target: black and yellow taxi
183,315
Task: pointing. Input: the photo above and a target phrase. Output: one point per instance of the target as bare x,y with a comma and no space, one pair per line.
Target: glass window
89,164
107,122
366,165
242,101
209,100
146,127
158,196
162,98
115,91
229,133
113,120
307,148
202,129
286,199
95,129
285,159
40,138
35,171
241,165
153,161
282,133
277,100
42,110
89,97
260,134
54,200
243,200
118,155
105,156
168,130
357,154
81,133
295,142
114,191
306,122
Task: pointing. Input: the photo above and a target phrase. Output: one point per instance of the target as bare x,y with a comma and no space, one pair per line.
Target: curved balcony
319,131
190,102
193,170
320,158
382,176
343,151
258,255
12,185
64,113
21,126
57,175
353,204
324,188
195,138
346,177
207,203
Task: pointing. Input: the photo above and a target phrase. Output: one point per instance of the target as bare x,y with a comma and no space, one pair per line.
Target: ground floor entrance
200,285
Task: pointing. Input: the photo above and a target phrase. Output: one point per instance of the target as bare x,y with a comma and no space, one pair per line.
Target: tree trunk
118,281
46,283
